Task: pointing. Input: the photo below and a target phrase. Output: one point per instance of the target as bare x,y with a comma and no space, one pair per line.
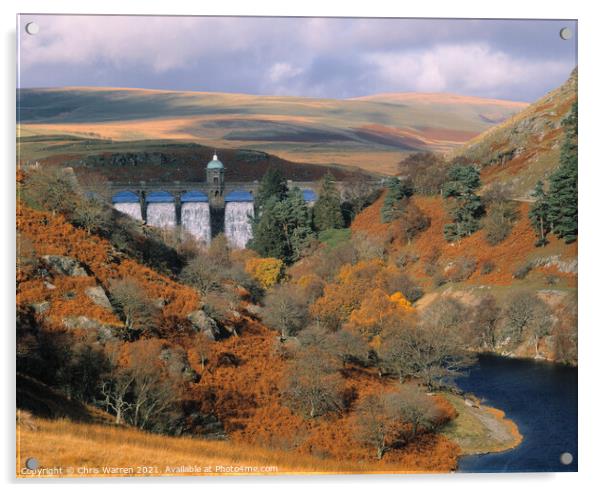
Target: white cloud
282,71
465,68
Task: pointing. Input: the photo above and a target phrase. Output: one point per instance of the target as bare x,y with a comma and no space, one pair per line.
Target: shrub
431,262
404,284
487,267
267,271
425,171
405,259
499,221
522,271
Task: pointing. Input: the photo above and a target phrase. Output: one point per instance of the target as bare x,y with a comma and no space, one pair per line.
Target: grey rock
65,265
253,309
41,307
98,296
204,324
81,322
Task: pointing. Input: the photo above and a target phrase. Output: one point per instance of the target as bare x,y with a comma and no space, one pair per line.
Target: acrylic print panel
295,245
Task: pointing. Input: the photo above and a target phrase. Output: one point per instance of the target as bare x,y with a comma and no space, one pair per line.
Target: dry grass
67,446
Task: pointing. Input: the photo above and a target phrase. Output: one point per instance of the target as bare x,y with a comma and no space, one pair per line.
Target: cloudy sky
317,57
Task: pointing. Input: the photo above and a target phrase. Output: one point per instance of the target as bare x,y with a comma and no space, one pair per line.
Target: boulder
40,307
98,296
65,265
82,323
204,324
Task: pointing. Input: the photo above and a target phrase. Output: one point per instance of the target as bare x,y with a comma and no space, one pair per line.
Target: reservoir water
541,398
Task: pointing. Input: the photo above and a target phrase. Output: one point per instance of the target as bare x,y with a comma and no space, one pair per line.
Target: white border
589,216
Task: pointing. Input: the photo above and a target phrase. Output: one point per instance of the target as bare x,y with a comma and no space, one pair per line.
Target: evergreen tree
397,193
283,228
539,214
272,184
268,239
563,184
465,205
327,209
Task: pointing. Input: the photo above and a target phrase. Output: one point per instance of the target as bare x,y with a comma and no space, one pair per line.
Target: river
541,398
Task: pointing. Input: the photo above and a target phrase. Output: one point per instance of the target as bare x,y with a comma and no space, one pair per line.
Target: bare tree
285,310
416,409
201,274
115,394
373,424
138,310
384,421
312,384
434,351
527,313
116,386
486,316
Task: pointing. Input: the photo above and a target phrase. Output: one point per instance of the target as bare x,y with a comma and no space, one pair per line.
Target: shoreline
480,429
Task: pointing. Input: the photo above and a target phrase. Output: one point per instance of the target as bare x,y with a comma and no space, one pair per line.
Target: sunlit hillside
526,147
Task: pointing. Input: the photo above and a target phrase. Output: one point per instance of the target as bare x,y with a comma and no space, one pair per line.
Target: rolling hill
371,132
526,147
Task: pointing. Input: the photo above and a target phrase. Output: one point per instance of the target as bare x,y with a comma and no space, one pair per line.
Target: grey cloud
322,57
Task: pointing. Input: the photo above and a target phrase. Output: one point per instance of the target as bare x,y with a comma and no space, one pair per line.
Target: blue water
541,398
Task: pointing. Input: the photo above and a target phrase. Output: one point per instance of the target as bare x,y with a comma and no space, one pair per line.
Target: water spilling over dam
128,203
196,216
238,220
161,210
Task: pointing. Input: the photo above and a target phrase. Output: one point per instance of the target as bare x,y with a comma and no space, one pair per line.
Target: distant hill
165,160
372,132
526,147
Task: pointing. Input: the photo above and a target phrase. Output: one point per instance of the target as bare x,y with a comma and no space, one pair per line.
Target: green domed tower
215,181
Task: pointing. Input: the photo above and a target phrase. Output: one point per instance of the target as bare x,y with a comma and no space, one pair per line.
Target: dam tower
215,182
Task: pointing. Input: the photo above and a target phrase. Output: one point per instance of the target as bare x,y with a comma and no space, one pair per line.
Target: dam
203,209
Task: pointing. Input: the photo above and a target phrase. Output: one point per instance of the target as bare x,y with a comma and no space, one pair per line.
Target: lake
541,397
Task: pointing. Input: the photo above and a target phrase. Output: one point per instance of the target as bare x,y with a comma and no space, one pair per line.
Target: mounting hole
31,464
32,28
566,33
566,458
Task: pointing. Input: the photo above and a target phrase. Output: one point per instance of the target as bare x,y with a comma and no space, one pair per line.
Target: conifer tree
563,184
327,209
465,205
395,201
539,214
272,184
283,228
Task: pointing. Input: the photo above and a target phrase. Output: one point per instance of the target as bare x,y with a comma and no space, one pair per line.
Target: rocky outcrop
564,266
98,296
64,265
204,324
83,323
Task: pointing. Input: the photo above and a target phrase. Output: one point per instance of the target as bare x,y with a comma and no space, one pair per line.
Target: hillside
471,269
372,132
526,147
164,160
